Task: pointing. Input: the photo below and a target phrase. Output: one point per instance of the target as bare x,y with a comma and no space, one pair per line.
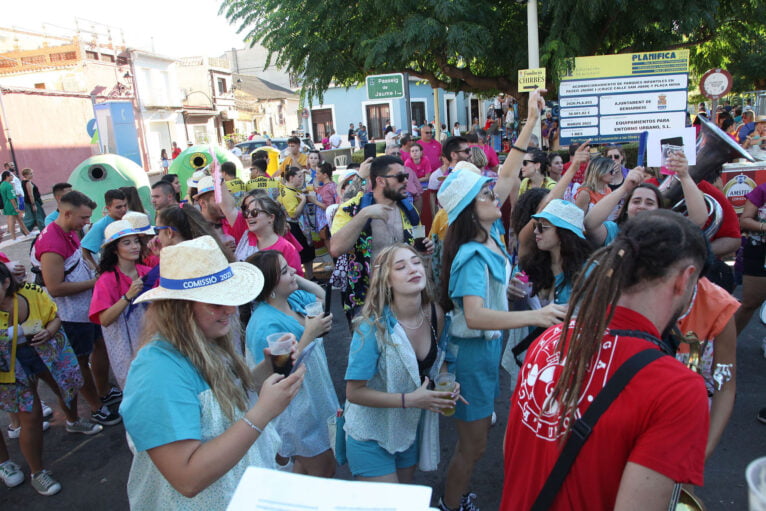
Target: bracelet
518,149
125,297
247,421
403,400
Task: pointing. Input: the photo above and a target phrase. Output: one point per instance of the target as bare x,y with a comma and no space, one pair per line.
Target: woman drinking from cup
187,407
396,351
291,307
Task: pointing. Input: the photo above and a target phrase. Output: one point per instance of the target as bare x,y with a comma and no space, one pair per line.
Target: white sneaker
44,484
47,410
11,474
16,432
493,421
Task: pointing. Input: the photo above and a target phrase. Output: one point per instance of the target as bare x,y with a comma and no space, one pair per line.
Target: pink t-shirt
288,248
492,159
421,169
54,239
414,187
109,289
432,150
238,229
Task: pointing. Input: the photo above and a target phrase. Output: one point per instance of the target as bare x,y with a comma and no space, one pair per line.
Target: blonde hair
216,359
379,294
597,168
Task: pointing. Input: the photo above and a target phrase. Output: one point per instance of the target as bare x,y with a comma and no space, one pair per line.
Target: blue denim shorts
369,459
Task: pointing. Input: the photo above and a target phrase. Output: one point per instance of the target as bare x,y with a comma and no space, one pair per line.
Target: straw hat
116,230
564,215
196,270
204,186
195,178
140,222
459,188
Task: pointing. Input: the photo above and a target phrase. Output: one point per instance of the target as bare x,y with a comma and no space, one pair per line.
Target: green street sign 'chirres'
385,86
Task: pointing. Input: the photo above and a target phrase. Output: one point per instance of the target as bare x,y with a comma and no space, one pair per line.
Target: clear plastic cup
280,345
756,484
445,382
314,309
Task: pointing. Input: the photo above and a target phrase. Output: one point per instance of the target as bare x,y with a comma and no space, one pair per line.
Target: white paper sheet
261,489
654,149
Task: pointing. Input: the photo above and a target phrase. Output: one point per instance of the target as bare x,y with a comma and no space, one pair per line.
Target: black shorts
82,336
29,360
307,254
753,258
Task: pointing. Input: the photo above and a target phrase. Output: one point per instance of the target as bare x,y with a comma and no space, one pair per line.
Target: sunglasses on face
466,151
401,177
524,163
541,227
613,156
486,195
427,132
252,213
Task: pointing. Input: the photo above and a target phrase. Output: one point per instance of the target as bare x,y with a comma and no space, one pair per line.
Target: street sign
531,79
385,86
716,83
613,98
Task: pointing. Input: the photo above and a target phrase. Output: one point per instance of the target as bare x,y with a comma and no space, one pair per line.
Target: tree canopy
478,45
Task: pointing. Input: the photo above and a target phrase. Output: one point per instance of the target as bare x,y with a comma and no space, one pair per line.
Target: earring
273,295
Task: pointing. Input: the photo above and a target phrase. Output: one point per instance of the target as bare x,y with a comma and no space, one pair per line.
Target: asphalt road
94,470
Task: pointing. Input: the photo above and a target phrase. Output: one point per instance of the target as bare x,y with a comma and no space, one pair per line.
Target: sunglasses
466,151
614,156
524,163
252,213
163,227
486,195
541,227
427,132
401,177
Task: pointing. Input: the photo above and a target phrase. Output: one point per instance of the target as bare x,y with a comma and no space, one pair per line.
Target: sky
175,28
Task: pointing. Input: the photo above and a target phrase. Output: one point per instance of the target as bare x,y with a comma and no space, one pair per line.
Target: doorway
321,123
377,115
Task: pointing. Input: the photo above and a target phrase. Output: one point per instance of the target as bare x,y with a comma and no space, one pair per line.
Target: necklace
422,318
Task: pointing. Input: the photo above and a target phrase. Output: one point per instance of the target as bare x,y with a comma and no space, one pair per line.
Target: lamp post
533,50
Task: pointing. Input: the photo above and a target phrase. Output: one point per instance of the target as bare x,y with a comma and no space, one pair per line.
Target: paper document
262,489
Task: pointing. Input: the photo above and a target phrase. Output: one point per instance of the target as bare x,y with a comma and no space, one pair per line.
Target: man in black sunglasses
370,222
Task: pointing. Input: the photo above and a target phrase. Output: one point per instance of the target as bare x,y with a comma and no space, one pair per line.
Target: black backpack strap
582,427
525,343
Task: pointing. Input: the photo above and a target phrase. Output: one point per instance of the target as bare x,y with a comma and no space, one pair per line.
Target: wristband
403,400
125,297
247,421
518,149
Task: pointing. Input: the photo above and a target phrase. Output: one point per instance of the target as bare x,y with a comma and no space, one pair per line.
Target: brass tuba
714,148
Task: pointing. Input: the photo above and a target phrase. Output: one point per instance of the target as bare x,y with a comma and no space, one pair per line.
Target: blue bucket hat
564,215
460,187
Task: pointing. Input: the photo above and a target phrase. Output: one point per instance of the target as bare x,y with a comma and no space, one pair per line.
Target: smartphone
370,151
669,146
327,298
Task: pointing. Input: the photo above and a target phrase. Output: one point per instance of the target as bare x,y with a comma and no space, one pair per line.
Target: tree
478,45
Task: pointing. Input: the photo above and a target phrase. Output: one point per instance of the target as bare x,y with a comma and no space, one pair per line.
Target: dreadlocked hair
650,245
216,359
464,229
379,293
537,263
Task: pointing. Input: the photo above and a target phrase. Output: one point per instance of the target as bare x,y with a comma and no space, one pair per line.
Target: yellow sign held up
531,79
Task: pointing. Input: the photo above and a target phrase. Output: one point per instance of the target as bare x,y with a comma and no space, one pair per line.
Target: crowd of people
210,321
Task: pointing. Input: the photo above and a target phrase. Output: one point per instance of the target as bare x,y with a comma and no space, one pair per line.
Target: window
107,58
34,60
221,86
39,86
92,55
418,109
62,56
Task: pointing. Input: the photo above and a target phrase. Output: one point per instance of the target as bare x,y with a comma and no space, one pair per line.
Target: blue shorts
369,459
477,369
29,360
81,336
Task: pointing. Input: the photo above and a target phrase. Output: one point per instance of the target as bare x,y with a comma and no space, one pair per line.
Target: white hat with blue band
116,230
140,222
564,215
460,188
197,271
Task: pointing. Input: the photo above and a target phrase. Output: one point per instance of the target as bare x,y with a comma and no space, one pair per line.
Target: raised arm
595,218
696,210
508,177
581,156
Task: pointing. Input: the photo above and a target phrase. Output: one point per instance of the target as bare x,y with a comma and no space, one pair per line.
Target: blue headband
205,280
119,234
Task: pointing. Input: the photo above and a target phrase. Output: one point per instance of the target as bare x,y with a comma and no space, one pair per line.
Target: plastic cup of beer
314,309
445,382
419,236
280,345
756,484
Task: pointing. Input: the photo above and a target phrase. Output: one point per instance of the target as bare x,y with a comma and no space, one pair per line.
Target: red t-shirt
238,229
492,159
108,290
730,224
579,176
659,421
175,153
54,239
432,150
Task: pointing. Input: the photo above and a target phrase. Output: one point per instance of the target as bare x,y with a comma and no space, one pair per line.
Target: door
377,115
474,113
321,123
418,112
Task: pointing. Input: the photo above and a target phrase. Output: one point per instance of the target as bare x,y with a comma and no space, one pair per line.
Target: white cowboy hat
140,222
116,230
197,271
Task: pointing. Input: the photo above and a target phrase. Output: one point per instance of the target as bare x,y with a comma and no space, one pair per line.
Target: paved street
94,470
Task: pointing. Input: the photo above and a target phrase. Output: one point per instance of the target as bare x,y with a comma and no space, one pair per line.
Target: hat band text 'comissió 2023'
205,280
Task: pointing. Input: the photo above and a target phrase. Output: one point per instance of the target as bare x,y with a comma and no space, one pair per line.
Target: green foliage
478,45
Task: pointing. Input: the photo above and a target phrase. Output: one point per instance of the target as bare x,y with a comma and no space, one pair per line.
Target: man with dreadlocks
653,433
